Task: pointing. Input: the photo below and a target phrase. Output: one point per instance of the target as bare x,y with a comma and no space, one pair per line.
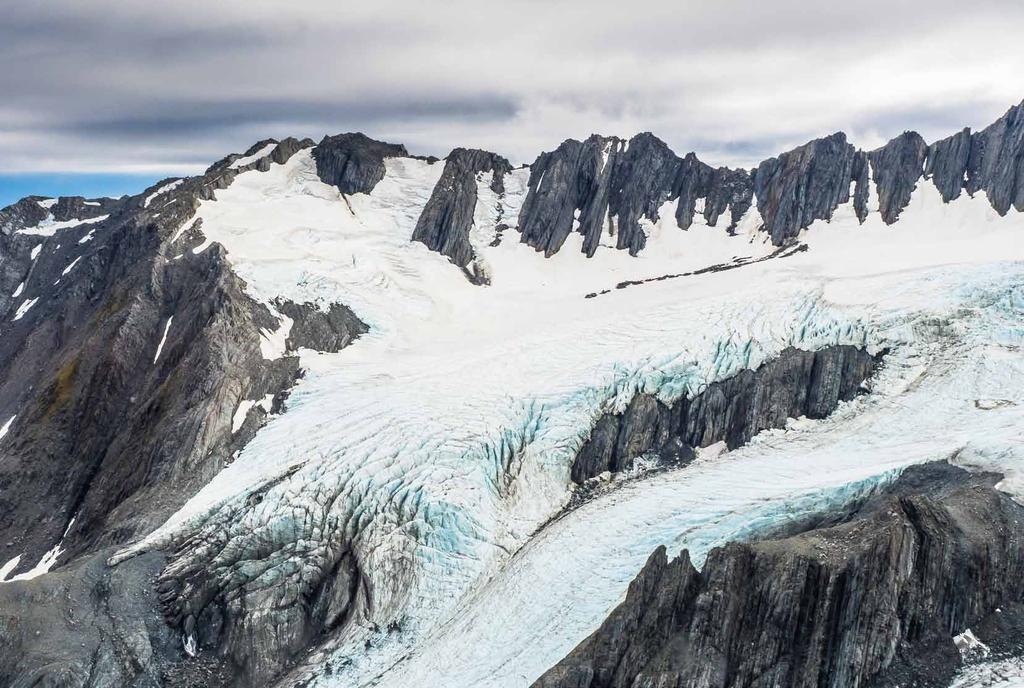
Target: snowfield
438,444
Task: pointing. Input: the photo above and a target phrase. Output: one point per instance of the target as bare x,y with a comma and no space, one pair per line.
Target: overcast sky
154,89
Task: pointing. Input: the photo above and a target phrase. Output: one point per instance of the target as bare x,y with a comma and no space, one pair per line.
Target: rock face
996,163
125,367
797,383
803,185
568,185
448,215
88,625
608,186
123,376
353,162
605,187
312,328
897,167
873,599
947,164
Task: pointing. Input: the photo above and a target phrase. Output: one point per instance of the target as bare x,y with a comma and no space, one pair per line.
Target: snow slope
438,444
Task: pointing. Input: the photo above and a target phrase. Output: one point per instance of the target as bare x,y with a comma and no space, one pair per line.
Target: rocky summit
334,414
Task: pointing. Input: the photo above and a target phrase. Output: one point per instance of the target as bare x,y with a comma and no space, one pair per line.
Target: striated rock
567,186
447,217
353,162
643,177
797,383
125,376
896,167
635,631
805,184
873,597
947,164
996,163
107,432
861,173
16,260
606,185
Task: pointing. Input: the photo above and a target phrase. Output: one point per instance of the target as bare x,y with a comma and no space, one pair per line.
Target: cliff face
797,383
448,215
605,187
122,374
875,599
353,162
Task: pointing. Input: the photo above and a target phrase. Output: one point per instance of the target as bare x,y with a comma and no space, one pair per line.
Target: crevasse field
439,444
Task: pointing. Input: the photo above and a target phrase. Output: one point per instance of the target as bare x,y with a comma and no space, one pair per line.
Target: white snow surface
11,564
49,226
44,565
249,159
165,188
440,442
1003,673
71,266
969,645
24,308
245,406
6,427
163,339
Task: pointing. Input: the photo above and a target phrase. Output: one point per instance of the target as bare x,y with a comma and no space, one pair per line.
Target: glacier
436,448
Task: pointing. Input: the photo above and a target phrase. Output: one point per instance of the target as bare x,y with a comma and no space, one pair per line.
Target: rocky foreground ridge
874,597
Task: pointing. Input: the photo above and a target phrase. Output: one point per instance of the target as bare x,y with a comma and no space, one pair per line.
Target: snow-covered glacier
428,458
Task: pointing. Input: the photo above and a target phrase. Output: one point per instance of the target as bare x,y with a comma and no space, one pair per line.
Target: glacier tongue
432,449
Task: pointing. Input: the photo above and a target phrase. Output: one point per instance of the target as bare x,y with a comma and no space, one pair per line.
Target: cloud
97,85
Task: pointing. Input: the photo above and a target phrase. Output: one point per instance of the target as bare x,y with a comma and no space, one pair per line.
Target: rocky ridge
123,373
796,383
869,598
607,188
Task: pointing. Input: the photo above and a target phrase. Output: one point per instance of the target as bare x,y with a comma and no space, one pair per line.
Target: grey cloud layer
97,85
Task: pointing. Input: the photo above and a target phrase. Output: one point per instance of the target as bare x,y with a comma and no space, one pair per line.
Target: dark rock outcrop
796,383
567,185
805,184
897,166
313,328
104,430
353,162
89,626
947,164
873,597
996,163
643,177
605,185
447,217
16,248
